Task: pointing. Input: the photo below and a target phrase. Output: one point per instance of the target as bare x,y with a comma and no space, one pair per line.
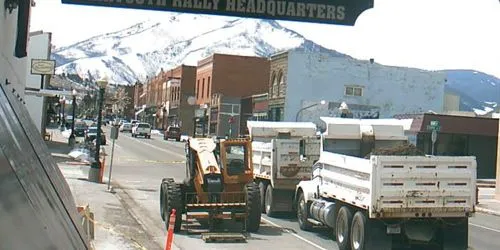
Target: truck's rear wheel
262,190
254,209
343,228
366,235
302,213
172,200
270,206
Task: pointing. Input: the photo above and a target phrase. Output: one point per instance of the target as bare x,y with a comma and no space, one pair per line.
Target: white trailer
386,202
282,154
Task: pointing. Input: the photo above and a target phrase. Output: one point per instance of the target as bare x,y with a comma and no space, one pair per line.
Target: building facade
39,47
253,108
223,80
459,136
366,87
177,93
230,75
277,86
13,48
163,100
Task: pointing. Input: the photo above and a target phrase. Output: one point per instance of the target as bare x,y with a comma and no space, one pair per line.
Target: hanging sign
341,12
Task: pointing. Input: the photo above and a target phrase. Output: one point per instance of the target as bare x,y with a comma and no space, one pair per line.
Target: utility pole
71,140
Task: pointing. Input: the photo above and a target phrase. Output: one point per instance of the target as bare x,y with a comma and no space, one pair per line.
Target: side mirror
302,150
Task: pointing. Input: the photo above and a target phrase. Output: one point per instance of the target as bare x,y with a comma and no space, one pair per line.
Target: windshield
143,125
174,129
235,159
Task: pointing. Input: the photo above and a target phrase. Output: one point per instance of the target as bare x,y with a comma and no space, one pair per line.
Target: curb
487,211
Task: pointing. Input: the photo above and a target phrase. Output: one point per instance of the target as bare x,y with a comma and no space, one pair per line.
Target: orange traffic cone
170,231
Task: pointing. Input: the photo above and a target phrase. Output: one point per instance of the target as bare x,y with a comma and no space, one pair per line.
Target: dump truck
386,201
283,154
218,185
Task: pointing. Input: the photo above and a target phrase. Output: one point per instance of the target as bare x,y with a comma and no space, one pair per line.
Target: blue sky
428,34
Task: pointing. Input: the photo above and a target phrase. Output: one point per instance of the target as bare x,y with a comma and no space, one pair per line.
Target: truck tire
173,200
262,189
254,209
343,228
455,234
366,234
303,213
163,190
269,205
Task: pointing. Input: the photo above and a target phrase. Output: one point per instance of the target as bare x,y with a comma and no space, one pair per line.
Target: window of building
198,89
203,88
353,91
208,86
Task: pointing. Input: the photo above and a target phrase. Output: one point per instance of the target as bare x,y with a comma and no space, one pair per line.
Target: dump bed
402,186
281,159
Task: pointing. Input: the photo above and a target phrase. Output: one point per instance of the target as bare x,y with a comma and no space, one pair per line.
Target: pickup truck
142,129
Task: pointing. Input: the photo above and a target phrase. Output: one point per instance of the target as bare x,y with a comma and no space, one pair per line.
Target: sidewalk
487,202
114,226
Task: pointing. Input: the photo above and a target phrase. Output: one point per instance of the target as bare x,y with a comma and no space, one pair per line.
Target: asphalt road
140,164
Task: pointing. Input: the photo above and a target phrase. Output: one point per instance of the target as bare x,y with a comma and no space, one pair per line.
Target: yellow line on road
150,161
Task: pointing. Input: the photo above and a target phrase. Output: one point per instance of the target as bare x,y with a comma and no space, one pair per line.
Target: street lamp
322,102
62,101
95,168
71,140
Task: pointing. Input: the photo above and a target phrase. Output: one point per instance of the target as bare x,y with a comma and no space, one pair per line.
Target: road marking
483,227
158,148
295,235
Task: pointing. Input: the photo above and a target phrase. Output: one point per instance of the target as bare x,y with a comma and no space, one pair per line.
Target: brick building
177,88
277,86
228,77
162,99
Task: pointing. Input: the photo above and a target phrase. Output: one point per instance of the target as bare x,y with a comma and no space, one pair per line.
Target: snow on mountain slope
143,49
479,92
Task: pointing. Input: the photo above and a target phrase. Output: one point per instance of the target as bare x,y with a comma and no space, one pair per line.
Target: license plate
393,229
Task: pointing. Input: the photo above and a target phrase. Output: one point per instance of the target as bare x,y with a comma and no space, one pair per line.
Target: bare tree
121,100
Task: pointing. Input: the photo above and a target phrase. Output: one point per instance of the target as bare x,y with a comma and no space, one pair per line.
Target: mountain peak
140,50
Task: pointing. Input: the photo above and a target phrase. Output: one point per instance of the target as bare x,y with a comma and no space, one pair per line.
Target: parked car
91,134
126,127
184,137
80,128
142,129
172,133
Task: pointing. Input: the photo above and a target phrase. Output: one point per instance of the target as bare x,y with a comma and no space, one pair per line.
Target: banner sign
341,12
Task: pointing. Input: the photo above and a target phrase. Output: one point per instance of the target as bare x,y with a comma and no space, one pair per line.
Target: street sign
434,126
341,12
431,128
114,133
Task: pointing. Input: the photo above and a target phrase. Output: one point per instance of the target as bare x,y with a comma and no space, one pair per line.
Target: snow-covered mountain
143,49
479,92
